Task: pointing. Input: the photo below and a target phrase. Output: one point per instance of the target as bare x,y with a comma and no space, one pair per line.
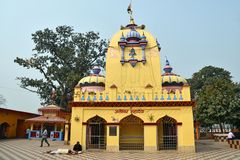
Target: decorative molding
113,86
149,124
110,123
77,118
146,124
133,104
151,117
148,86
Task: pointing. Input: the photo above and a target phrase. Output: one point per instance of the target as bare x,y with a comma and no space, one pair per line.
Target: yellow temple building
134,106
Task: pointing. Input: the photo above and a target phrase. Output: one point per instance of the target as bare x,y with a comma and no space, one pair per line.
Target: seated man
77,148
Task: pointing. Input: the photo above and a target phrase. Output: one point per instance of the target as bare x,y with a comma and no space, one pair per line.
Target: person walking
44,137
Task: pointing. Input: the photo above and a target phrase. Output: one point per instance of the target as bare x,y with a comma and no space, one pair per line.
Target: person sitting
230,136
77,148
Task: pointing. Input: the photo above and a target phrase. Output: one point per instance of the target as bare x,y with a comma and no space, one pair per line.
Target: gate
4,128
131,133
96,133
167,133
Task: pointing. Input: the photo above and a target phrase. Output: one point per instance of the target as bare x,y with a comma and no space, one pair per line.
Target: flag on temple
129,9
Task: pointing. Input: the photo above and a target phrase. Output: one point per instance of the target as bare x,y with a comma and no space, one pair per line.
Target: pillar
31,127
185,130
143,54
150,137
122,54
83,138
41,128
112,140
55,127
76,125
66,131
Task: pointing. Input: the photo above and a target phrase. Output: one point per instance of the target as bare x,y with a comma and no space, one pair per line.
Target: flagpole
130,12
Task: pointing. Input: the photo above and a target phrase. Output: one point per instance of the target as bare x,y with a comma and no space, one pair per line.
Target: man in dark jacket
77,148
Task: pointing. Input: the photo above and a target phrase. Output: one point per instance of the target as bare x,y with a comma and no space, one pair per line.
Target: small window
113,131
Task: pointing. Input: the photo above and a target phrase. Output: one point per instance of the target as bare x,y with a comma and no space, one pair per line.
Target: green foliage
199,78
62,57
217,97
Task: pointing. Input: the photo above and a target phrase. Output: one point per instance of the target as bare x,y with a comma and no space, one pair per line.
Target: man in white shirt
230,136
44,137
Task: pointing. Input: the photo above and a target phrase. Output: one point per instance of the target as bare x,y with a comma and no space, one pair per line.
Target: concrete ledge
150,148
113,148
186,149
234,144
220,137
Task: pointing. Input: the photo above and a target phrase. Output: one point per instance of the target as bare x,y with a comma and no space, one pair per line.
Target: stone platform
22,149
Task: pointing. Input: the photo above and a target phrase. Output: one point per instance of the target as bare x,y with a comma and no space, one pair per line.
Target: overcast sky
192,34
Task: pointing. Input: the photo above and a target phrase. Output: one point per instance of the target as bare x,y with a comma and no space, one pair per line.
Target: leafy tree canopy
205,75
217,97
63,57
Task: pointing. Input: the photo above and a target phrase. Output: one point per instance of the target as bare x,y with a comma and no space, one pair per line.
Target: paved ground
21,149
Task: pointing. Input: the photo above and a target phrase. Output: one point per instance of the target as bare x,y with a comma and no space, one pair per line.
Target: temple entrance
131,133
4,127
167,133
96,133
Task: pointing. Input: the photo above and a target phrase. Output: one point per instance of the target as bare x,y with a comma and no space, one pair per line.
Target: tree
62,57
216,102
234,106
199,78
217,97
2,100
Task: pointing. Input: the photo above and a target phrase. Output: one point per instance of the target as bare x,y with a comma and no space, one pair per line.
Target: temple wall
150,115
16,122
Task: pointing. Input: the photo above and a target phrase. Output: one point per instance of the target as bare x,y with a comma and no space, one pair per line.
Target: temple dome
137,34
172,79
94,82
133,34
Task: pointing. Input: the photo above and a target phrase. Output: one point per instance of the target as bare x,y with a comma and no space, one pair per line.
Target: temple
134,106
52,117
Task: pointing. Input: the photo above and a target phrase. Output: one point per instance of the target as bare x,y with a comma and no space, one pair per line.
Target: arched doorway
96,133
131,133
167,133
4,127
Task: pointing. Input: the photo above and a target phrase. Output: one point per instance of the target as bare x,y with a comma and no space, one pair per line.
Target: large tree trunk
221,127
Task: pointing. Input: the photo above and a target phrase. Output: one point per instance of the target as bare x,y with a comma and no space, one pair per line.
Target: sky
192,34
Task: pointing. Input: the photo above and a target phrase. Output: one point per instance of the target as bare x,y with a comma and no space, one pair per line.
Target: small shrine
55,119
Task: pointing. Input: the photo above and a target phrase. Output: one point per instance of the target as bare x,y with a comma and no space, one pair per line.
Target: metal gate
131,133
96,133
167,133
